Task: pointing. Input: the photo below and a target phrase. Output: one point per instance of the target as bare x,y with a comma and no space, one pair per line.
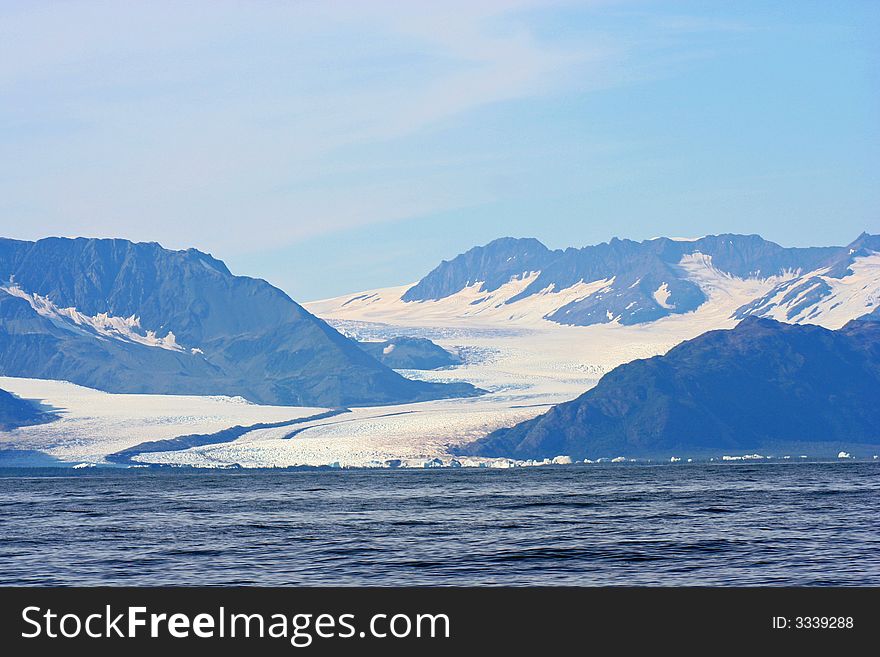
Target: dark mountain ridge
761,385
148,319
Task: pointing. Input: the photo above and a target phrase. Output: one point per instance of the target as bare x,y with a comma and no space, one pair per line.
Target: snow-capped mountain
632,283
134,317
847,286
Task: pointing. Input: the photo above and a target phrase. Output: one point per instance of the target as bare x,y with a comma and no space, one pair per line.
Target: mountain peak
125,316
647,281
490,266
627,282
514,241
866,241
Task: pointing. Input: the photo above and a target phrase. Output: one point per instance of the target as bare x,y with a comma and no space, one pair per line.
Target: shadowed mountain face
15,412
761,384
872,317
404,353
492,265
134,317
648,280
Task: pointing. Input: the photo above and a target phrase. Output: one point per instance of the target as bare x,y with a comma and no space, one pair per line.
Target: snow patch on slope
661,296
849,297
725,289
127,329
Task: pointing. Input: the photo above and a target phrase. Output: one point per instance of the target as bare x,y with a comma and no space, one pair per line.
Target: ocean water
695,524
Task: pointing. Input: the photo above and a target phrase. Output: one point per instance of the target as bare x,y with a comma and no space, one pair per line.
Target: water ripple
770,524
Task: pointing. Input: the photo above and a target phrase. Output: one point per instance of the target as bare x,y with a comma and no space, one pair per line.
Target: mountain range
631,283
761,385
135,317
797,369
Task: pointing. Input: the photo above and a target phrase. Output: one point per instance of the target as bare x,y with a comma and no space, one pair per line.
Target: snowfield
94,423
525,362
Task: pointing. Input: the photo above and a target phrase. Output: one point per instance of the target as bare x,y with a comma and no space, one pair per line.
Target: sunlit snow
106,325
526,363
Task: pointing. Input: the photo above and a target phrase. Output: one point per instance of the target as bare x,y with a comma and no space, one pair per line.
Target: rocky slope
134,317
406,353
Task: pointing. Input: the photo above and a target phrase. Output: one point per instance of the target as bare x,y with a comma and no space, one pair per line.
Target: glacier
510,344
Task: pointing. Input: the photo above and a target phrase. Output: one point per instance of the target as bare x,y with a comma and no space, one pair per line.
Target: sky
332,147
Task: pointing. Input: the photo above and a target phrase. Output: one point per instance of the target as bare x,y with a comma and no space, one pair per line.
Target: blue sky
331,147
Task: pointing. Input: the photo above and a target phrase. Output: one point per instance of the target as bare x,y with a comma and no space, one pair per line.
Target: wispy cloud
165,120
